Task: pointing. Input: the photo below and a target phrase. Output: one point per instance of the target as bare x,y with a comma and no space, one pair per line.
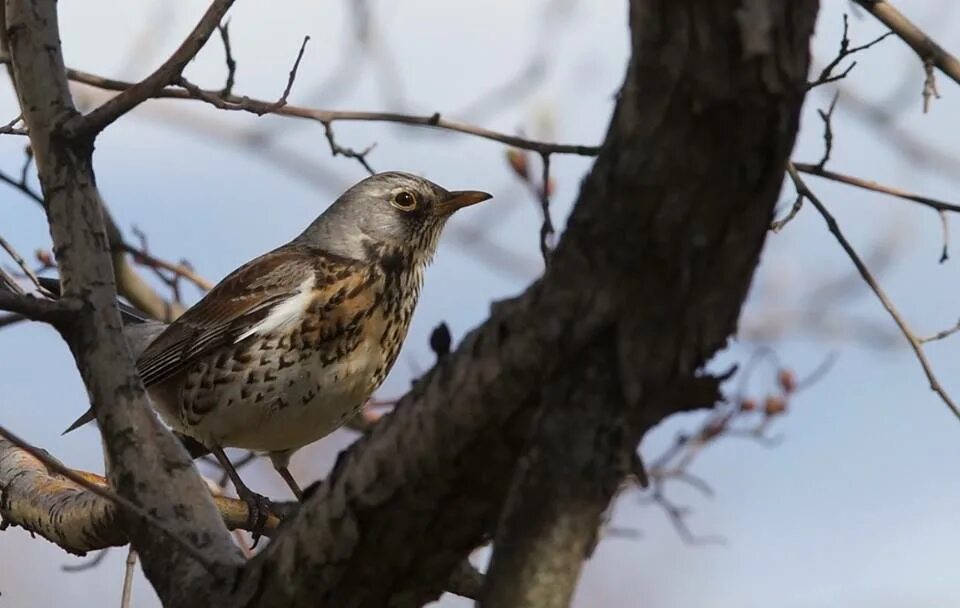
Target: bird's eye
404,201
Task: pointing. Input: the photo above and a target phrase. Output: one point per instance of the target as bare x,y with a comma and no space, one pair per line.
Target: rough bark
657,257
685,166
146,464
644,287
578,454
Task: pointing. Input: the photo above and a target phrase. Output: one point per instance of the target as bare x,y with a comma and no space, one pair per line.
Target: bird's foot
259,510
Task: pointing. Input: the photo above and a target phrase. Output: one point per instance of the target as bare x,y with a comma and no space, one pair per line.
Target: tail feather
139,329
129,314
88,416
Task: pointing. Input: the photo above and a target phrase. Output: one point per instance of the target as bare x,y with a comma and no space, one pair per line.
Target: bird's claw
259,510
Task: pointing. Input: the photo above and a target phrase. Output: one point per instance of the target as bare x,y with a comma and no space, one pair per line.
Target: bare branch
127,593
104,491
168,73
70,513
338,150
827,118
141,256
11,127
827,75
915,342
39,309
940,335
778,225
546,229
22,186
293,74
930,53
945,229
21,263
850,180
228,58
259,107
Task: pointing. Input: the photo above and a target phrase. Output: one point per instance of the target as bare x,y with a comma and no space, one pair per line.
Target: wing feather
236,305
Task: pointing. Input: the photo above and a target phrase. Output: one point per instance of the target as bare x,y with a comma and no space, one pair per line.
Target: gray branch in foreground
147,465
38,309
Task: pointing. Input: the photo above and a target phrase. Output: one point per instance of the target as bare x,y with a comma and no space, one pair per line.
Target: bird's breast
288,388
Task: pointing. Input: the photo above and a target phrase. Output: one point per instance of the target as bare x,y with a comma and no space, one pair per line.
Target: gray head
388,212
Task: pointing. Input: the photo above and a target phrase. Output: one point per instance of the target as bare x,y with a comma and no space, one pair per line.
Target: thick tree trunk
650,274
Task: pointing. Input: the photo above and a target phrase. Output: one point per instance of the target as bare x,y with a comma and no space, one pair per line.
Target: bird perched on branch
290,345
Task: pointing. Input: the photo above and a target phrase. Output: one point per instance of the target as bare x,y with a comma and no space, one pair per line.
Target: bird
289,346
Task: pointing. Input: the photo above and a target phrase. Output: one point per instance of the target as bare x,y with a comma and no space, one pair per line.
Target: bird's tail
88,416
128,314
139,330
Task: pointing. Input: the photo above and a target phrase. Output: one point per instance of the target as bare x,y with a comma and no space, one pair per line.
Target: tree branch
922,44
39,309
260,107
873,186
915,341
37,497
577,456
147,465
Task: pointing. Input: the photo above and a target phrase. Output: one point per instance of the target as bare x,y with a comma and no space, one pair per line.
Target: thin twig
940,335
228,58
21,263
850,180
922,44
929,84
338,150
141,256
778,225
293,74
827,118
546,229
127,593
11,129
27,161
22,187
9,285
105,492
915,343
827,75
945,229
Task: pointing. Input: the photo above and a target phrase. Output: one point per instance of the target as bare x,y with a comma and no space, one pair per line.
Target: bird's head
388,212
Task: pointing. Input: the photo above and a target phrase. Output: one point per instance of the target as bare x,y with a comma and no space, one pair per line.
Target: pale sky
856,507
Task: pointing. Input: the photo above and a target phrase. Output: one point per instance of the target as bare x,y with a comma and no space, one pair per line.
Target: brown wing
235,305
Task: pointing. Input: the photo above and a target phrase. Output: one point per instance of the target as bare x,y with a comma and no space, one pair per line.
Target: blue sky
857,505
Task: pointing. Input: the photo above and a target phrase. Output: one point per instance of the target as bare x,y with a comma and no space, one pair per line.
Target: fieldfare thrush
290,345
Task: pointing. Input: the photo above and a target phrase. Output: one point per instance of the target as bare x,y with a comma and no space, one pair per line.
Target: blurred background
849,498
